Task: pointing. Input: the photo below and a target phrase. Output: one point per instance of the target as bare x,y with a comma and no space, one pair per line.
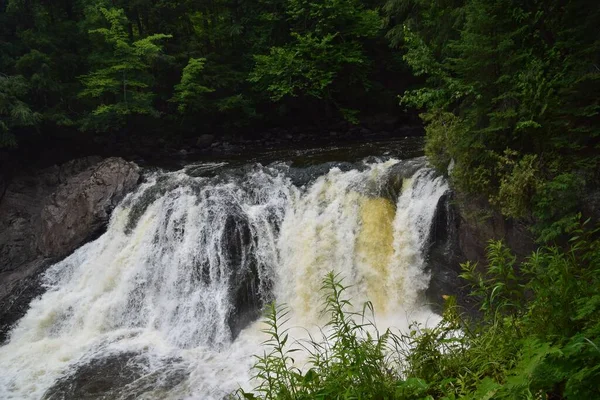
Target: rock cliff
47,214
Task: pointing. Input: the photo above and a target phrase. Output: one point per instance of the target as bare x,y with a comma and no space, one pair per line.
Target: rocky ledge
45,215
461,231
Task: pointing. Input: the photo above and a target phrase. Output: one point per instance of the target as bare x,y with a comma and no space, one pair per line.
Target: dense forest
509,95
186,67
511,100
508,91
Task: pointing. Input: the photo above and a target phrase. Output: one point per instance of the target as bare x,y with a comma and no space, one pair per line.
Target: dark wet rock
19,288
205,140
203,170
444,256
409,131
162,185
461,231
81,206
398,173
303,176
381,122
245,280
47,214
124,376
407,168
479,224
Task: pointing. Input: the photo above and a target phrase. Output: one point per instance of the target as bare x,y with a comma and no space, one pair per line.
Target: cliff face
47,214
461,231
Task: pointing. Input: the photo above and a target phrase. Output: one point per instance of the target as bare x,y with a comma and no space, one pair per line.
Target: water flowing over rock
46,215
165,303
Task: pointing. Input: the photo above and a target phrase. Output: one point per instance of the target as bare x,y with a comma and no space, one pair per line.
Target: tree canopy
183,66
510,99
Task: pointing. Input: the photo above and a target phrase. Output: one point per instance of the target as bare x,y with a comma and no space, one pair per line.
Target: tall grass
348,361
538,338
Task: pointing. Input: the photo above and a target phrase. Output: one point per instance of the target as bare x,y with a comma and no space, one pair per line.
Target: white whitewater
186,260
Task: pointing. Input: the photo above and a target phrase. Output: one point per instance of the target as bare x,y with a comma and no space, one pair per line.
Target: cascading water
164,304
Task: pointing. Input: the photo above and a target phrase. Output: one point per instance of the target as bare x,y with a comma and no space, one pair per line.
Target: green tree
508,98
41,44
14,111
325,57
122,84
102,64
189,92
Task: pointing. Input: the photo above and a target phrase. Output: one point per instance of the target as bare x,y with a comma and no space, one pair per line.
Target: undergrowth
538,337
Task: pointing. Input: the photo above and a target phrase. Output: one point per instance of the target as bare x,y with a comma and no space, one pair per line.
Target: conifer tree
14,111
509,97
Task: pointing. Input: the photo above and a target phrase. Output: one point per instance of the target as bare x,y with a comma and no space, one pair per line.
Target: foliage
325,55
538,337
100,65
188,93
36,50
123,85
348,361
540,333
308,66
504,98
14,112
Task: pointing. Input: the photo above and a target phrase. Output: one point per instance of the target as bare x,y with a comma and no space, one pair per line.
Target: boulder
46,214
479,223
205,140
119,376
381,122
444,256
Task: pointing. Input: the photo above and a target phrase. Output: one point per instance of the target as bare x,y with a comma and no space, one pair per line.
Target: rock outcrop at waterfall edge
47,214
460,232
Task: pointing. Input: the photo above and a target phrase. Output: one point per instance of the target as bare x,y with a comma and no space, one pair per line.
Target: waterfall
165,304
